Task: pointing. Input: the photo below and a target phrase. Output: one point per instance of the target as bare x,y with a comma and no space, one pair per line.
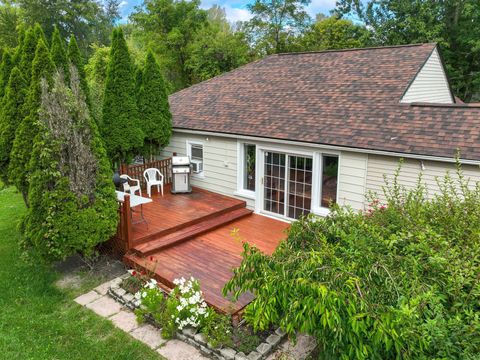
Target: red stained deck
190,235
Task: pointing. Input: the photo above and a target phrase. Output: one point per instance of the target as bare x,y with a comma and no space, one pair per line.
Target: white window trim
189,143
317,209
241,191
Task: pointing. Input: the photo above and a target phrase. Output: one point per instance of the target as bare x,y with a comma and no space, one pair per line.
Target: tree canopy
450,23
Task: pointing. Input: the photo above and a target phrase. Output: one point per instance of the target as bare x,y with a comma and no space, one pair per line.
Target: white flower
179,308
144,294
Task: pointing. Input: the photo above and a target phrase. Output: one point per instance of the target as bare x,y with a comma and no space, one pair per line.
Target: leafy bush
398,281
218,330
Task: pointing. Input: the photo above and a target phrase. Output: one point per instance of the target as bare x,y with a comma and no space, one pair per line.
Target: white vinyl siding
351,179
380,165
430,84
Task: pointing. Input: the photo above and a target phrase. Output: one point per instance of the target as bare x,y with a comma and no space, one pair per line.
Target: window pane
249,167
329,180
197,152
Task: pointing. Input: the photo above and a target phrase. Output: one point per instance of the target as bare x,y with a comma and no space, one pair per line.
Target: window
196,152
249,163
329,183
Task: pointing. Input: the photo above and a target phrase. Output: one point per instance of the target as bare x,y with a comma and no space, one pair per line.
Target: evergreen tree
73,206
75,58
18,50
121,129
138,82
5,69
42,68
154,107
27,54
39,34
11,116
59,55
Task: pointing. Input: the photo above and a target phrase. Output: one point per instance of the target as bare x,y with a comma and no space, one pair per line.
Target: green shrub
71,195
218,330
398,281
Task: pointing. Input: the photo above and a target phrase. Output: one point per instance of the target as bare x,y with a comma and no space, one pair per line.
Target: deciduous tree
276,22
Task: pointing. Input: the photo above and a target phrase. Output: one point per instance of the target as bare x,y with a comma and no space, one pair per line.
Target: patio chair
131,188
152,179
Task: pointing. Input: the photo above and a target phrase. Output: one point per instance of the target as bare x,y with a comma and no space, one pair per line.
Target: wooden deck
190,235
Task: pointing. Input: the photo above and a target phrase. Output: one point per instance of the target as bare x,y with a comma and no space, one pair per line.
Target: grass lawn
39,321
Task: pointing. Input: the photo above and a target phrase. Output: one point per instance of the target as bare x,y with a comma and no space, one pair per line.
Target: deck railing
135,171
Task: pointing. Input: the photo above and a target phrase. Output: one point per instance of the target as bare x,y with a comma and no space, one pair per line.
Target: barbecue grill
181,170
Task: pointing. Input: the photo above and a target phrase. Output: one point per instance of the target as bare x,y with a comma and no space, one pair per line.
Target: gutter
329,147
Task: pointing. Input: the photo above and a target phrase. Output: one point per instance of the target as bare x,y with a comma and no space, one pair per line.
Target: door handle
262,180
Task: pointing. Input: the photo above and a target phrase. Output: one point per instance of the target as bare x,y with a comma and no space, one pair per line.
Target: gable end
430,85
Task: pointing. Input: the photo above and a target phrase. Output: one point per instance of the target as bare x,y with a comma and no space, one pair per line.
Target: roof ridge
355,49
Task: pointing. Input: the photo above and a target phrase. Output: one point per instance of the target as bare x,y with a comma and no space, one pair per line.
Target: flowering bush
190,309
182,308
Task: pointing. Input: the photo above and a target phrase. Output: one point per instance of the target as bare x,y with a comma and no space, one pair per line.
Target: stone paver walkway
102,304
98,301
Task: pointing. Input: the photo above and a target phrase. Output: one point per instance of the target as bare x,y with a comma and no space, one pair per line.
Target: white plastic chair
151,178
131,188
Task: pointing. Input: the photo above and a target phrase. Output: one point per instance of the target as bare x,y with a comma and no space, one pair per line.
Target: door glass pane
249,167
274,182
299,186
329,180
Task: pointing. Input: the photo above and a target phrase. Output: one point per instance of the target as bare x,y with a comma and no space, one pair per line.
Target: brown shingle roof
343,98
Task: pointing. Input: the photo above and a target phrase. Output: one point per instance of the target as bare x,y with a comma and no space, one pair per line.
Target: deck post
127,221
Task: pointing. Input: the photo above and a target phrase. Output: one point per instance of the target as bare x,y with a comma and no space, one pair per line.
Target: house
292,133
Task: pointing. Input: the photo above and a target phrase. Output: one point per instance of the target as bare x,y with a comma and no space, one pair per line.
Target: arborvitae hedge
76,60
10,118
121,130
154,108
42,67
27,53
5,69
59,55
72,200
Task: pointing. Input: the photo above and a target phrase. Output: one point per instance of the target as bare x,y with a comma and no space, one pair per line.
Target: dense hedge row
400,280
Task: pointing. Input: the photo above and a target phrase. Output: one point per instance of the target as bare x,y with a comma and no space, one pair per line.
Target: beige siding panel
351,181
430,84
220,161
378,166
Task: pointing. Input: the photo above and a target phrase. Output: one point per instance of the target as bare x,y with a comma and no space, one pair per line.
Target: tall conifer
10,117
59,55
42,68
156,118
5,69
27,54
121,130
76,60
71,195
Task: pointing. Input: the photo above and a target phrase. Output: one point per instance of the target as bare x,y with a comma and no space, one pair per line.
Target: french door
287,184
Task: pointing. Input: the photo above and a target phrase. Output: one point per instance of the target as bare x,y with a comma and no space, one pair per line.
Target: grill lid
180,160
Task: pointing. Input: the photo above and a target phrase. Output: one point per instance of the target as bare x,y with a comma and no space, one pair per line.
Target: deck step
162,242
188,224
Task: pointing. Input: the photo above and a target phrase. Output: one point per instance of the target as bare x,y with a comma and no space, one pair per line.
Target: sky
236,10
